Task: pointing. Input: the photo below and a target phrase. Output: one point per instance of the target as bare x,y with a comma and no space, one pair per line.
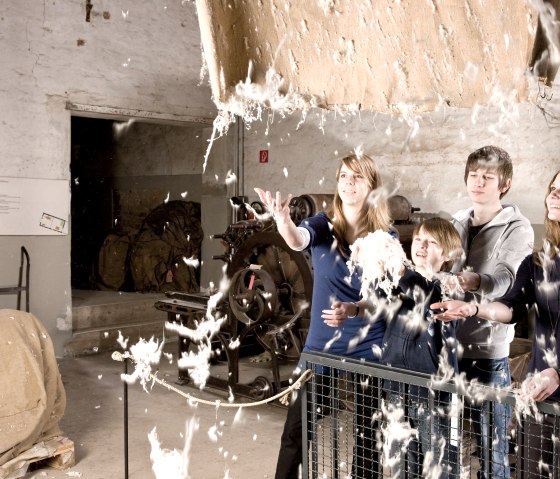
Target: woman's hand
280,209
541,385
339,313
452,310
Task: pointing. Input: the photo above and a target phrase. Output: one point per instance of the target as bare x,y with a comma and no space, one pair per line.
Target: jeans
491,419
290,456
431,433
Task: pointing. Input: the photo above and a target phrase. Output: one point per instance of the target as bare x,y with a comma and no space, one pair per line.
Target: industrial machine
269,294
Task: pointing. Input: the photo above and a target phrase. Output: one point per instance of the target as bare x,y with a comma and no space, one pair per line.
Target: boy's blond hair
447,237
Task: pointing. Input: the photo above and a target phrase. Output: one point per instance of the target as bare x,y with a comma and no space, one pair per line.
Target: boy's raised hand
469,281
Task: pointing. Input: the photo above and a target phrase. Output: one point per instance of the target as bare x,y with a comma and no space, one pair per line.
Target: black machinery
269,294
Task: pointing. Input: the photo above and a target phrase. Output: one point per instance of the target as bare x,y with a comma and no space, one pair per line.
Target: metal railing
366,420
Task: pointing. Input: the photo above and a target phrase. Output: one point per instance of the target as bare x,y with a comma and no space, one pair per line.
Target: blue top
531,288
413,339
332,281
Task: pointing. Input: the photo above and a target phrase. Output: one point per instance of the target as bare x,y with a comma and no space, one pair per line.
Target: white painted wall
424,159
135,56
216,211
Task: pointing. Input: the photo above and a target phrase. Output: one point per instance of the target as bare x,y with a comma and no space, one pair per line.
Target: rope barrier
281,396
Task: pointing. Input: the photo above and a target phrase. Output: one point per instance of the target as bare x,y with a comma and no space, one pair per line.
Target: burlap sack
32,397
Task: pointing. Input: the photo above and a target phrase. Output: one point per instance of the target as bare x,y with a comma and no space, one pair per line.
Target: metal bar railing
435,432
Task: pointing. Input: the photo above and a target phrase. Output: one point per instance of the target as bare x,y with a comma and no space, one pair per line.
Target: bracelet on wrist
357,310
476,312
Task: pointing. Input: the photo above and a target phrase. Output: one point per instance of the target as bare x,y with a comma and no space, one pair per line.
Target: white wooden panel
33,206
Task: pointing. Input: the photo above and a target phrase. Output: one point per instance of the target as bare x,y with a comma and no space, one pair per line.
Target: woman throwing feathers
356,211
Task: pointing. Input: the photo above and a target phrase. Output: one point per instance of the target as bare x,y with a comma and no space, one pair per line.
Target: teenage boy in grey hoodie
495,237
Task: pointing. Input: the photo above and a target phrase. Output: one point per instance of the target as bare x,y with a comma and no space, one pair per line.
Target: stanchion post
125,401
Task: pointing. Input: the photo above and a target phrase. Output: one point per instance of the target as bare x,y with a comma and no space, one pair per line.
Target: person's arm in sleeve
510,308
513,249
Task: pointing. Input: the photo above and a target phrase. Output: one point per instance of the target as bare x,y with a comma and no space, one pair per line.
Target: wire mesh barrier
372,421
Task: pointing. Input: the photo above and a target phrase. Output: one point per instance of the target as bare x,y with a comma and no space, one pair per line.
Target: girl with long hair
359,207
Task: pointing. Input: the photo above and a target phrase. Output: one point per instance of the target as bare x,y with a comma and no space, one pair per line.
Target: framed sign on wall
34,206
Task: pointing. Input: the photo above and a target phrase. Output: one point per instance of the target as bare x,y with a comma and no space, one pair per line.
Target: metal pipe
125,401
239,157
238,162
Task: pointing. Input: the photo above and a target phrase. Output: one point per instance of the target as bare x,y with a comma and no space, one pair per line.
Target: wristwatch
357,310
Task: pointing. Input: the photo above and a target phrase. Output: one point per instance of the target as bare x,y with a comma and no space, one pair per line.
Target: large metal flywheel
271,287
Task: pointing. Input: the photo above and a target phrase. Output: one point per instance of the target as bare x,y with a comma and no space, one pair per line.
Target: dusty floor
221,447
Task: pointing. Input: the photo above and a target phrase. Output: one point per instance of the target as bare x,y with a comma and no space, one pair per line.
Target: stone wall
137,58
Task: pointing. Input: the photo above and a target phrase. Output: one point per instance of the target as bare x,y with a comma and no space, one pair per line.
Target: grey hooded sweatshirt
495,253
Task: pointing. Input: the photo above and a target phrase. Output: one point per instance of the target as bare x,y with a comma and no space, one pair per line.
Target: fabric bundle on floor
32,396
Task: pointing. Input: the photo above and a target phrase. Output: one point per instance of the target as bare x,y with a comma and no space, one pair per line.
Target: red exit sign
263,156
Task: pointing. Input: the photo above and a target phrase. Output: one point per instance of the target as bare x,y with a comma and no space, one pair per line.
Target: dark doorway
120,173
91,203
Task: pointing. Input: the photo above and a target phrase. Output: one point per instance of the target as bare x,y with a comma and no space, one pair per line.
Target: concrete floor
220,448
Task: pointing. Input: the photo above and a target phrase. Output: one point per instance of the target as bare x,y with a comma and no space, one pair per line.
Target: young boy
415,341
495,237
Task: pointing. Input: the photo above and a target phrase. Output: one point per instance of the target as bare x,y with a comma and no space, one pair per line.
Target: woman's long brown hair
376,209
551,242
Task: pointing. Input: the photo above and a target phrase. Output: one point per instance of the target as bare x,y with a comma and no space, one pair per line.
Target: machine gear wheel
280,296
